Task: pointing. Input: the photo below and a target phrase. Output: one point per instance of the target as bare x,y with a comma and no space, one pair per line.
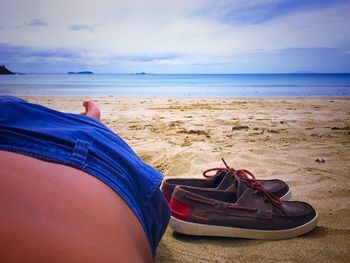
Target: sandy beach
271,137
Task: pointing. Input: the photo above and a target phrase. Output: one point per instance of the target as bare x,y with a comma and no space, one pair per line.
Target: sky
175,36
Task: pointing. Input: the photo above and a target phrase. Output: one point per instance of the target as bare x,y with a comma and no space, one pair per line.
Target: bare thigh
55,213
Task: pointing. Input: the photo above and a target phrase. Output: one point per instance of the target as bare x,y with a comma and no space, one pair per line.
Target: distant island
139,73
5,71
81,72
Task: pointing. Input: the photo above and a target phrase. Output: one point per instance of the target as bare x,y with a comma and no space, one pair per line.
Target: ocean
177,85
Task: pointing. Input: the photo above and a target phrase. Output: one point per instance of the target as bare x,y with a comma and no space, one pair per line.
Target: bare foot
91,110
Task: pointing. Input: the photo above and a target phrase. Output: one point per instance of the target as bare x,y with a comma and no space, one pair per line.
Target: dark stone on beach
5,71
340,128
198,132
239,127
81,73
273,131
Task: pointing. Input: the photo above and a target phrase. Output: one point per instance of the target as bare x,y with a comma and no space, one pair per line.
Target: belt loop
80,153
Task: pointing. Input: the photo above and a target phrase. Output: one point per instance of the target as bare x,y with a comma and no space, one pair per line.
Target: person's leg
54,213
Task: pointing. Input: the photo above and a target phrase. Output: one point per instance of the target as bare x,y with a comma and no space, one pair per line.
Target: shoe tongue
217,177
227,183
241,187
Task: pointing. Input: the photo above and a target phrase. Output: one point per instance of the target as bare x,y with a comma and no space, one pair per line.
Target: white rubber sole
287,196
196,229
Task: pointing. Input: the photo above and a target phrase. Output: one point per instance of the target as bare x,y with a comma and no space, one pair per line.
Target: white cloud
79,27
37,22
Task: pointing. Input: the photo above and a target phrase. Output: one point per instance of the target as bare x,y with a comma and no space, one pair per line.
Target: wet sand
272,138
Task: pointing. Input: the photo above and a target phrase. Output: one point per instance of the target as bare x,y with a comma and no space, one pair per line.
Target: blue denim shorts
85,143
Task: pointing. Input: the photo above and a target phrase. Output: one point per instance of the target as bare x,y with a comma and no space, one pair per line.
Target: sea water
176,85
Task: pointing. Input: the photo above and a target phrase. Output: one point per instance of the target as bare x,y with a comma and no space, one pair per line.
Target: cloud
10,51
257,12
80,27
148,57
26,59
37,22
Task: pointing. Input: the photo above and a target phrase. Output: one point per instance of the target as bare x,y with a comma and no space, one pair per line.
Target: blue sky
184,36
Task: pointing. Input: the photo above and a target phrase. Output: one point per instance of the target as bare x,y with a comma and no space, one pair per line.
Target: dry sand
283,137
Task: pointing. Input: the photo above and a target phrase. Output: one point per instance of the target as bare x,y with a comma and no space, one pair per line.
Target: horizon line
151,73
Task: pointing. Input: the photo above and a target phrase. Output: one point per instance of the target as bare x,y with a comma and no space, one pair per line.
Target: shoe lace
248,178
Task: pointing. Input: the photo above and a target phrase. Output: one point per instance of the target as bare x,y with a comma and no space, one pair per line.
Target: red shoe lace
248,178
